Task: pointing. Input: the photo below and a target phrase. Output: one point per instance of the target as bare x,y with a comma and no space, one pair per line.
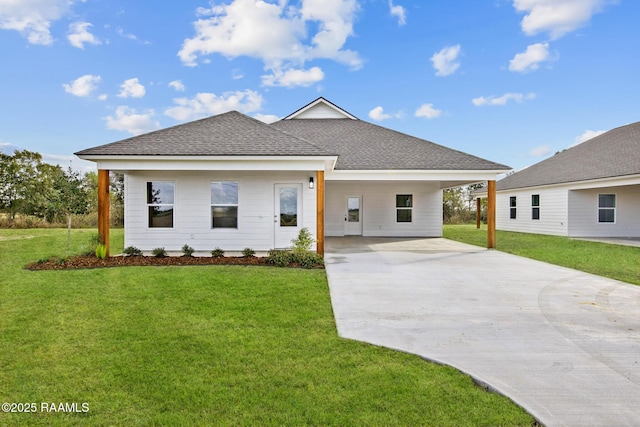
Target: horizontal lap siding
553,211
379,208
583,213
192,210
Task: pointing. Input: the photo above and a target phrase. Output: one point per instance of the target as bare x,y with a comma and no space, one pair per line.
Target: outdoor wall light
311,184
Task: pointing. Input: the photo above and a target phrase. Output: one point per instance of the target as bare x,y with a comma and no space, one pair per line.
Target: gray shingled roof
228,134
613,154
364,146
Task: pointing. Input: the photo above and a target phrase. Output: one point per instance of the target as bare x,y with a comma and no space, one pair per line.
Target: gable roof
613,154
322,106
364,146
228,134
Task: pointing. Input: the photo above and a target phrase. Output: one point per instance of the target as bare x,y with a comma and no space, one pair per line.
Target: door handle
345,217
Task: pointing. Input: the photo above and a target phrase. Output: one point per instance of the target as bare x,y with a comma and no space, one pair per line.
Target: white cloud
275,33
177,85
540,151
530,59
78,35
428,112
82,86
103,97
131,89
446,61
33,18
378,114
129,120
207,104
556,17
587,135
236,74
399,12
266,118
502,100
293,77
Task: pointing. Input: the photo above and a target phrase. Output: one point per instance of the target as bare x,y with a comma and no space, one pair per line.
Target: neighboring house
590,190
231,181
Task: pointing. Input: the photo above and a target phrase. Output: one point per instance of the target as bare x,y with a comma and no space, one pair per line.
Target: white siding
379,208
320,111
192,210
583,213
553,211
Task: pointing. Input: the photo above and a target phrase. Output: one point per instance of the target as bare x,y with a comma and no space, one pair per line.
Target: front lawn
214,345
614,261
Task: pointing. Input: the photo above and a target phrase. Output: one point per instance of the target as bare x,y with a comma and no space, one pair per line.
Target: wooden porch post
478,211
491,215
320,212
103,207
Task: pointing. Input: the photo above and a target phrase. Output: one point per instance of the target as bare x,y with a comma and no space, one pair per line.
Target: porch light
311,184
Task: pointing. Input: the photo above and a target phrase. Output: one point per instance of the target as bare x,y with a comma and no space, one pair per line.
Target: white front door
287,216
353,216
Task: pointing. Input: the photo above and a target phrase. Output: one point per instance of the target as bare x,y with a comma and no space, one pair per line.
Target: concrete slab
563,344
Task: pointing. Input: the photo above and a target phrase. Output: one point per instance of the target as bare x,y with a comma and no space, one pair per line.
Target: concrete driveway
563,344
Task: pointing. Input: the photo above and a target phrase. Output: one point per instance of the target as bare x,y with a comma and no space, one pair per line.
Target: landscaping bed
91,261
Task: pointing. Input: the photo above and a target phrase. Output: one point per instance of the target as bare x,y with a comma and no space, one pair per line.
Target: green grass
604,259
214,345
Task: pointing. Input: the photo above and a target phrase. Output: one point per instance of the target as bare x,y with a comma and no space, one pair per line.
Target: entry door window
288,206
353,206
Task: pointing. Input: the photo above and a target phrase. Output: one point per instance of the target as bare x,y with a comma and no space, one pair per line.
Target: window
535,206
288,206
606,208
512,207
224,204
404,206
160,196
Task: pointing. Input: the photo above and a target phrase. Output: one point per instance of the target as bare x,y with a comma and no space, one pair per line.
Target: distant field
236,346
614,261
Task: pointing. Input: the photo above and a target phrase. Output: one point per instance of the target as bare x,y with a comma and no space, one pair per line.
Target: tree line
32,188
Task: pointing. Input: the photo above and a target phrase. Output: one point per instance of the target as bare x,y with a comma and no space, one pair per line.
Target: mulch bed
90,261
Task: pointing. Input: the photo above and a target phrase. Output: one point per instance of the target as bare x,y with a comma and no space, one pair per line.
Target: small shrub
248,253
307,259
279,257
101,251
61,261
304,241
187,250
159,252
132,251
217,253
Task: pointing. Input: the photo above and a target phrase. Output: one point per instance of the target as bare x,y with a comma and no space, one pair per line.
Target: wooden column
491,215
103,207
320,212
478,211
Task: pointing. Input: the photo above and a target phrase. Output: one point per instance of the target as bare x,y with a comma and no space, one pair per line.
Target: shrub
101,251
159,252
217,253
187,250
307,259
132,251
248,253
279,257
304,241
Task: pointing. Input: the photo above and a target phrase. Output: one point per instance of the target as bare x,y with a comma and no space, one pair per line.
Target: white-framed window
512,207
404,207
160,203
535,206
224,204
606,208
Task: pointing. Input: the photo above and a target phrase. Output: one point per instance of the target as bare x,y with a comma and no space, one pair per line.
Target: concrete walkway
563,344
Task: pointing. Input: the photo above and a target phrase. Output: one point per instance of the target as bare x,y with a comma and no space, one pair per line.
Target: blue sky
513,81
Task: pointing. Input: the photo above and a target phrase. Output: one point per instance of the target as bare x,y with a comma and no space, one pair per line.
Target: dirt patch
89,261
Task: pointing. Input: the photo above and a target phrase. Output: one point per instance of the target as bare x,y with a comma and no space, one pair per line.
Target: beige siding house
231,181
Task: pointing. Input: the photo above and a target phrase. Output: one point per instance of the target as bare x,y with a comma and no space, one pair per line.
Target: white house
590,190
231,181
